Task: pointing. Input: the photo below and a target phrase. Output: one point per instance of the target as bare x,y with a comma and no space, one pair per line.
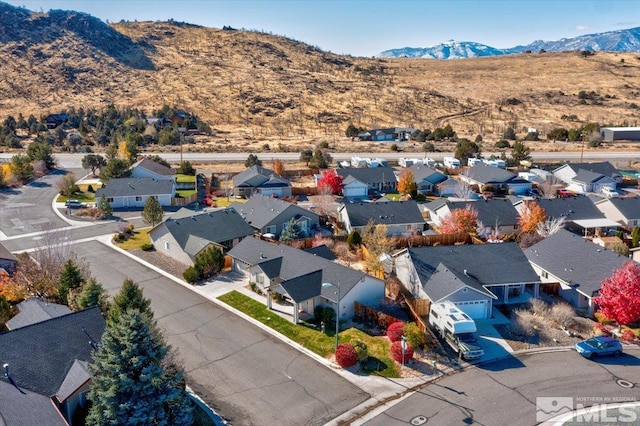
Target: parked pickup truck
456,328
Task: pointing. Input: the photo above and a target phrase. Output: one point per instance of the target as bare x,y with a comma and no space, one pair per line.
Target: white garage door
355,192
476,309
267,192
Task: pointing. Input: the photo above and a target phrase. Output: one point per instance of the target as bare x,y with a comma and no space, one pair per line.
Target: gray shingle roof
485,264
572,208
443,282
491,212
77,376
575,260
128,187
384,213
603,168
155,167
217,227
34,310
6,254
322,251
488,174
427,174
629,207
587,176
259,211
258,176
369,175
297,263
40,355
305,286
30,408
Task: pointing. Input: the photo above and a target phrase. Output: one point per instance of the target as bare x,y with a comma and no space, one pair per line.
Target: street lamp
337,286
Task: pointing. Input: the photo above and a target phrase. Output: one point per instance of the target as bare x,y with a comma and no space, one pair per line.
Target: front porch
512,294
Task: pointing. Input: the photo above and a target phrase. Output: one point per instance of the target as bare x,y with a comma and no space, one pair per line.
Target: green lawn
140,237
185,178
84,197
223,202
312,339
185,192
393,197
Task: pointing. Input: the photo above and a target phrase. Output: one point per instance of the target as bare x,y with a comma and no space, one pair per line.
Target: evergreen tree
104,205
209,262
252,160
292,231
21,167
520,152
92,294
5,310
129,384
71,278
635,237
115,168
41,152
152,213
466,149
129,298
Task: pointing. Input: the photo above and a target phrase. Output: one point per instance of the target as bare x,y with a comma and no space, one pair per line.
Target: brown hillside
262,85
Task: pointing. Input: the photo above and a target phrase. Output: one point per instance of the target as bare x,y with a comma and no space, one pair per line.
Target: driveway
246,374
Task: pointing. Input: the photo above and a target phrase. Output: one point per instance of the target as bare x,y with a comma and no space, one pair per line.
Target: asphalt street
504,392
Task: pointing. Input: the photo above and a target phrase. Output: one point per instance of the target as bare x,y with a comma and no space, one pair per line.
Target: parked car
75,204
599,346
564,193
609,192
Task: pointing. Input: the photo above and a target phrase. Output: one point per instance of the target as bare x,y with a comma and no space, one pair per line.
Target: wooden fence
183,201
419,309
374,316
432,240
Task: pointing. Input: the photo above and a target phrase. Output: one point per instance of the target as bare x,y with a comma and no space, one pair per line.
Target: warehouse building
610,134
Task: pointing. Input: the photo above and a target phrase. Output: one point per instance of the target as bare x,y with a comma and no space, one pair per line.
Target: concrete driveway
246,374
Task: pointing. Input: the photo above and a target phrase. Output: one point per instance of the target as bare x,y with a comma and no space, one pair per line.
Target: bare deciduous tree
67,184
549,188
550,226
324,201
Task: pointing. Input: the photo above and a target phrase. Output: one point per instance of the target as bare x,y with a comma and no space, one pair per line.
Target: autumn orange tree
406,181
460,220
277,166
619,297
530,216
10,290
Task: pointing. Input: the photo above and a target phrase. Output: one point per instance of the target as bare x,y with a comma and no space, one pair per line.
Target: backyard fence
373,316
183,201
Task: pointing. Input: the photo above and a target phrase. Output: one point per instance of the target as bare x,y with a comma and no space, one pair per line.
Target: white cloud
582,27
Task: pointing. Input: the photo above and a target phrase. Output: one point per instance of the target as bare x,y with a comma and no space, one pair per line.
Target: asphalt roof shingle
154,167
491,212
629,207
384,213
571,208
484,173
575,260
130,187
259,210
35,310
369,175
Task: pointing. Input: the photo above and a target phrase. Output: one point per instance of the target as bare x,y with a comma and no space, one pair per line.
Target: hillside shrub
346,355
396,352
395,330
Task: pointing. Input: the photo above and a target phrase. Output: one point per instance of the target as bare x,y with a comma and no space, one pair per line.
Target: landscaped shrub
628,336
255,288
601,330
563,314
346,355
119,237
191,275
361,349
414,335
602,318
395,330
329,318
396,352
525,323
539,307
147,247
317,312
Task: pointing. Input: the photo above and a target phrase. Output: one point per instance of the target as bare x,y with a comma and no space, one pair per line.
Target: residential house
494,216
495,179
35,310
623,210
147,168
133,192
474,277
573,267
268,215
257,179
397,134
399,217
55,120
378,180
45,378
353,188
299,277
187,233
588,177
427,179
581,215
7,260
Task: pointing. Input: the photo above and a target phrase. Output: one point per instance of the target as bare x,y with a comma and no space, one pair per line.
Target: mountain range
612,41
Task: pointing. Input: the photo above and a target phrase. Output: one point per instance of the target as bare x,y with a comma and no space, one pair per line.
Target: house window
271,229
110,199
166,245
545,274
259,278
138,198
515,226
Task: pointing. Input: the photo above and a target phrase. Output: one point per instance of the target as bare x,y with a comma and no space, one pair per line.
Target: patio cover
596,223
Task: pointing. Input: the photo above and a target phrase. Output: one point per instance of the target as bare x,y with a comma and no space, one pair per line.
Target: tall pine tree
134,383
70,278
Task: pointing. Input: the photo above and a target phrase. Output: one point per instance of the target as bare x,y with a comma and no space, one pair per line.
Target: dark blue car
599,346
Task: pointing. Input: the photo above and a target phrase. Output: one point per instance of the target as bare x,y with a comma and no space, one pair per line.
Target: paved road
75,160
249,376
505,392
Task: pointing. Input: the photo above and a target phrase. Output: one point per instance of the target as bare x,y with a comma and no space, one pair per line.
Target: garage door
476,309
268,192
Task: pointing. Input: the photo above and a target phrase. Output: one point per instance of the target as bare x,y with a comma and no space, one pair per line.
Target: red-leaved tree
330,180
346,355
395,331
620,295
460,220
396,351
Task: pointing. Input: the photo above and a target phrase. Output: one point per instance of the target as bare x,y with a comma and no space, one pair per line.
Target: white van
610,192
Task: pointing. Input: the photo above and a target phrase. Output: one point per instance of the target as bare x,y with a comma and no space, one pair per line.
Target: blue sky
367,27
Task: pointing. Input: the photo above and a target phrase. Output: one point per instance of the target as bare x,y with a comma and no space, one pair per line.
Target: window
166,245
110,199
138,198
271,229
259,278
545,274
